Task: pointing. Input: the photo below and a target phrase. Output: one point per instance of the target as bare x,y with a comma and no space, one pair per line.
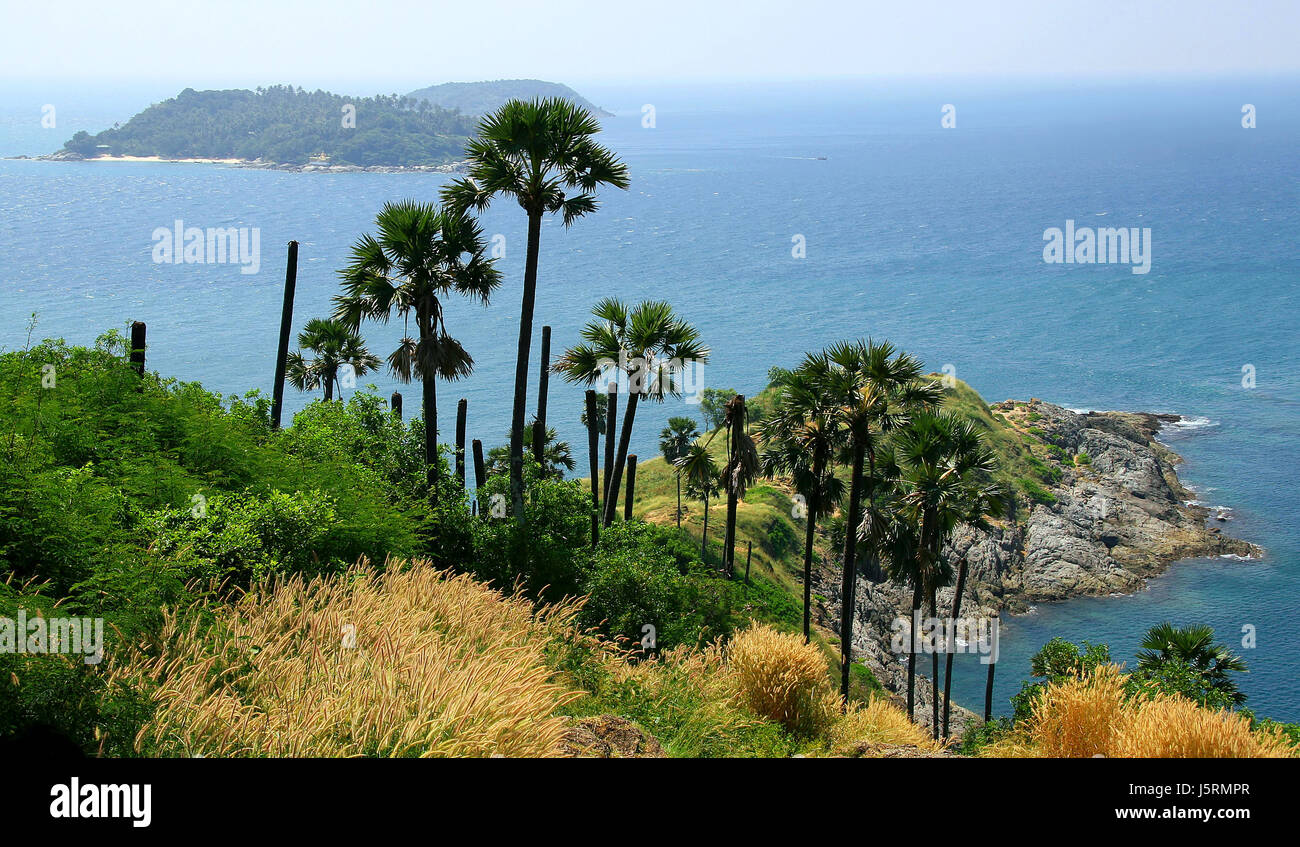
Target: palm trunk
934,670
521,365
911,656
808,539
849,583
593,444
543,380
704,539
952,623
988,686
679,500
631,487
733,495
611,424
329,388
872,569
624,438
431,434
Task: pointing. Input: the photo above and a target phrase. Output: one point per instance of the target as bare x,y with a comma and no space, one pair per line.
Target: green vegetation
1179,662
285,125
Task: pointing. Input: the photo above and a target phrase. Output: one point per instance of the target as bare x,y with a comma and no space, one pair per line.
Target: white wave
1237,557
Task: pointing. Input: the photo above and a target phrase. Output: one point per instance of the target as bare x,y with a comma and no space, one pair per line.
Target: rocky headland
1115,516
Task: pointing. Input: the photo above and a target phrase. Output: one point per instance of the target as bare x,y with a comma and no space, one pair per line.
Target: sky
386,46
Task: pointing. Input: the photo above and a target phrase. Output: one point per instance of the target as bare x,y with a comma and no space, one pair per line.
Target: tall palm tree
800,440
944,468
674,440
421,255
650,344
335,345
742,468
1195,646
702,474
541,154
877,389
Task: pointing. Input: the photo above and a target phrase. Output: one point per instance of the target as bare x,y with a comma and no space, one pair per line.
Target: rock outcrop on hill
1117,516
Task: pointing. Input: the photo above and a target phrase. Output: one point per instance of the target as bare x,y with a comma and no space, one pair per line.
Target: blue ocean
928,235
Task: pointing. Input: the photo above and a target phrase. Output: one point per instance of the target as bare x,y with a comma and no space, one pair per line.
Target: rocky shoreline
260,164
1109,525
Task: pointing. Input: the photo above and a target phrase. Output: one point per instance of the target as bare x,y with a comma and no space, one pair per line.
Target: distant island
286,127
480,98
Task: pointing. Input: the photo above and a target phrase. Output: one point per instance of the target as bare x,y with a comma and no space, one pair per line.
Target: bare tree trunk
462,414
286,328
480,474
631,487
395,403
704,539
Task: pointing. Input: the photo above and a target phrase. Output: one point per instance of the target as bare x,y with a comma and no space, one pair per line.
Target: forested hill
286,125
480,98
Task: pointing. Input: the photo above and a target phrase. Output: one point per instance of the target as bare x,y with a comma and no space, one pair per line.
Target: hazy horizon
242,44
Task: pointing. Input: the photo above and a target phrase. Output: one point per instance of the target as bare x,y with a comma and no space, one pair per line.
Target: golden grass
442,666
879,722
781,678
1176,728
1092,717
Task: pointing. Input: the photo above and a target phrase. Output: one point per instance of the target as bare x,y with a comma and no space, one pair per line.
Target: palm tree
422,254
1193,645
876,390
701,473
650,344
557,456
944,467
674,441
800,440
541,154
335,345
741,469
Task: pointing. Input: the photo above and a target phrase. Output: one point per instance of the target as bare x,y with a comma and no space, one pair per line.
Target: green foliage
713,406
1187,660
981,735
287,125
1057,661
246,537
1083,459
